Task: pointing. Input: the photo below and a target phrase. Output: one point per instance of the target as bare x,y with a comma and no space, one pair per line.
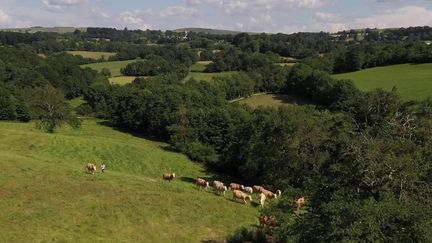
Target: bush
84,110
244,235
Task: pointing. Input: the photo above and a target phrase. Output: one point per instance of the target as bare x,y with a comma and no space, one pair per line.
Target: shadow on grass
129,131
292,99
188,179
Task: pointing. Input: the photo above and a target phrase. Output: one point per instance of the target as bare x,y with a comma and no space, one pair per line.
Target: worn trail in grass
47,196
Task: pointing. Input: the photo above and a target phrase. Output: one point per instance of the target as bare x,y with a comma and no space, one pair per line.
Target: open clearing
122,80
113,66
93,54
46,196
208,76
272,100
200,66
413,81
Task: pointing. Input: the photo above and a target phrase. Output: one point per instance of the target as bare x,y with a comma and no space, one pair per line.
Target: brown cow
268,194
237,194
257,189
91,168
299,202
168,176
201,183
235,186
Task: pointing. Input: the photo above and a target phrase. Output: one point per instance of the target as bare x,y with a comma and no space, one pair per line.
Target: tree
50,107
106,72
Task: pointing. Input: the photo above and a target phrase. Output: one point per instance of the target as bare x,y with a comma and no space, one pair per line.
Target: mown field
413,81
272,100
197,72
93,54
113,66
208,76
47,196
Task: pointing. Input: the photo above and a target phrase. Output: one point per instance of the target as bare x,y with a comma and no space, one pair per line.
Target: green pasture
93,54
47,196
113,66
413,81
272,100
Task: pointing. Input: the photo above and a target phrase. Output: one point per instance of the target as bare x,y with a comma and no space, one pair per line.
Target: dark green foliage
242,235
106,72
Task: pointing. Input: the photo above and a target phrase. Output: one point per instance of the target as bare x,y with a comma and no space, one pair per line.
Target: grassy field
47,196
122,80
208,76
114,66
199,66
272,100
93,54
413,81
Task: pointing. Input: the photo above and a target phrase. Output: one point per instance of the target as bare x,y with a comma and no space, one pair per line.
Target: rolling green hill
93,54
46,195
413,81
208,31
45,29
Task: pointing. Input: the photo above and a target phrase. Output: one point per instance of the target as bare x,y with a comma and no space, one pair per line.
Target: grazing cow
268,193
257,189
168,176
201,183
278,193
219,187
248,189
235,186
262,198
300,201
237,194
91,168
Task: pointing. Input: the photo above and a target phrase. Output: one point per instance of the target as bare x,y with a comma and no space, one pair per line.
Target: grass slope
46,195
122,80
93,54
208,76
272,100
413,81
209,31
113,66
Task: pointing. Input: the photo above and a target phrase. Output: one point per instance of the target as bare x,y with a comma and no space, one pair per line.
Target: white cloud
242,6
327,17
4,18
131,18
59,4
402,17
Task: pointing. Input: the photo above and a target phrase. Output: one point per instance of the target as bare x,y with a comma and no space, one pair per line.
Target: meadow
122,80
47,196
272,100
208,76
413,81
93,54
113,66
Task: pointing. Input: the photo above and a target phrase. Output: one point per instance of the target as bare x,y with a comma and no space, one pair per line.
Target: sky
285,16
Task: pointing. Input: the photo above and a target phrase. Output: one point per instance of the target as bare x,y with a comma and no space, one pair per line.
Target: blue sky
285,16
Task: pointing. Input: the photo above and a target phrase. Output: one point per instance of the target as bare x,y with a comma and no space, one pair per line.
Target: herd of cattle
240,192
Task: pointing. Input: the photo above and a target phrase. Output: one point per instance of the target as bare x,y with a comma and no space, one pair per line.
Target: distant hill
210,31
45,29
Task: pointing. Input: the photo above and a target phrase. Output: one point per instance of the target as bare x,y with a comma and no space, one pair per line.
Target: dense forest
361,159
